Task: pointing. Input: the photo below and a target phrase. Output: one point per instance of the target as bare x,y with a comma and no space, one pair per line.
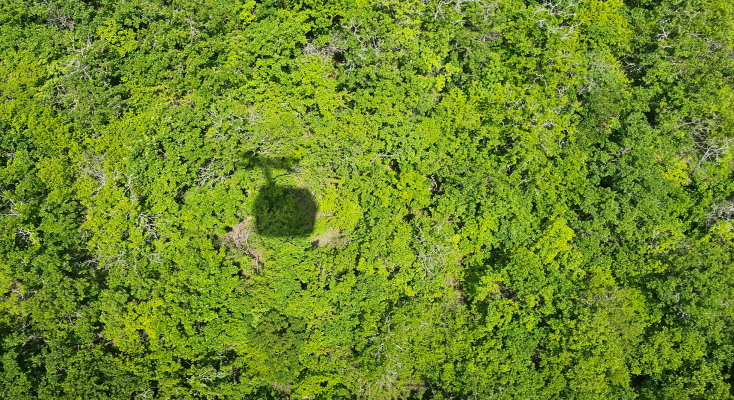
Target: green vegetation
425,199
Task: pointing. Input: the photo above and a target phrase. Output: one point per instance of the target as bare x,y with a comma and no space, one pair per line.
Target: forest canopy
360,199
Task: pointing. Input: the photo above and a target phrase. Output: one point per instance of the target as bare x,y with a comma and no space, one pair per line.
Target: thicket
426,199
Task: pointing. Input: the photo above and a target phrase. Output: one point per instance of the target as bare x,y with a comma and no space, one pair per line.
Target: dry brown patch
331,238
240,234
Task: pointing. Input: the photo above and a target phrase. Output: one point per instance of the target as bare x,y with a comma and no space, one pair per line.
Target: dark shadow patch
284,211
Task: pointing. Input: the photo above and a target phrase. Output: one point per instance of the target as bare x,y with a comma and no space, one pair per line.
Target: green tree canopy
424,199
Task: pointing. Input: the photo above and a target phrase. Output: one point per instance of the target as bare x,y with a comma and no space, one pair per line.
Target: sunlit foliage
426,199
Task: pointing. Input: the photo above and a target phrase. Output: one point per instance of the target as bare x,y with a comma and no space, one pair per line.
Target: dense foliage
427,199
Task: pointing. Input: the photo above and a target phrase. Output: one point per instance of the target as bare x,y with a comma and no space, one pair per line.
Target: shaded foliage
284,211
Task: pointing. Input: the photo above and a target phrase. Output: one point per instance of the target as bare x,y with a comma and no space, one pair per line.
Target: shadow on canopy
282,210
